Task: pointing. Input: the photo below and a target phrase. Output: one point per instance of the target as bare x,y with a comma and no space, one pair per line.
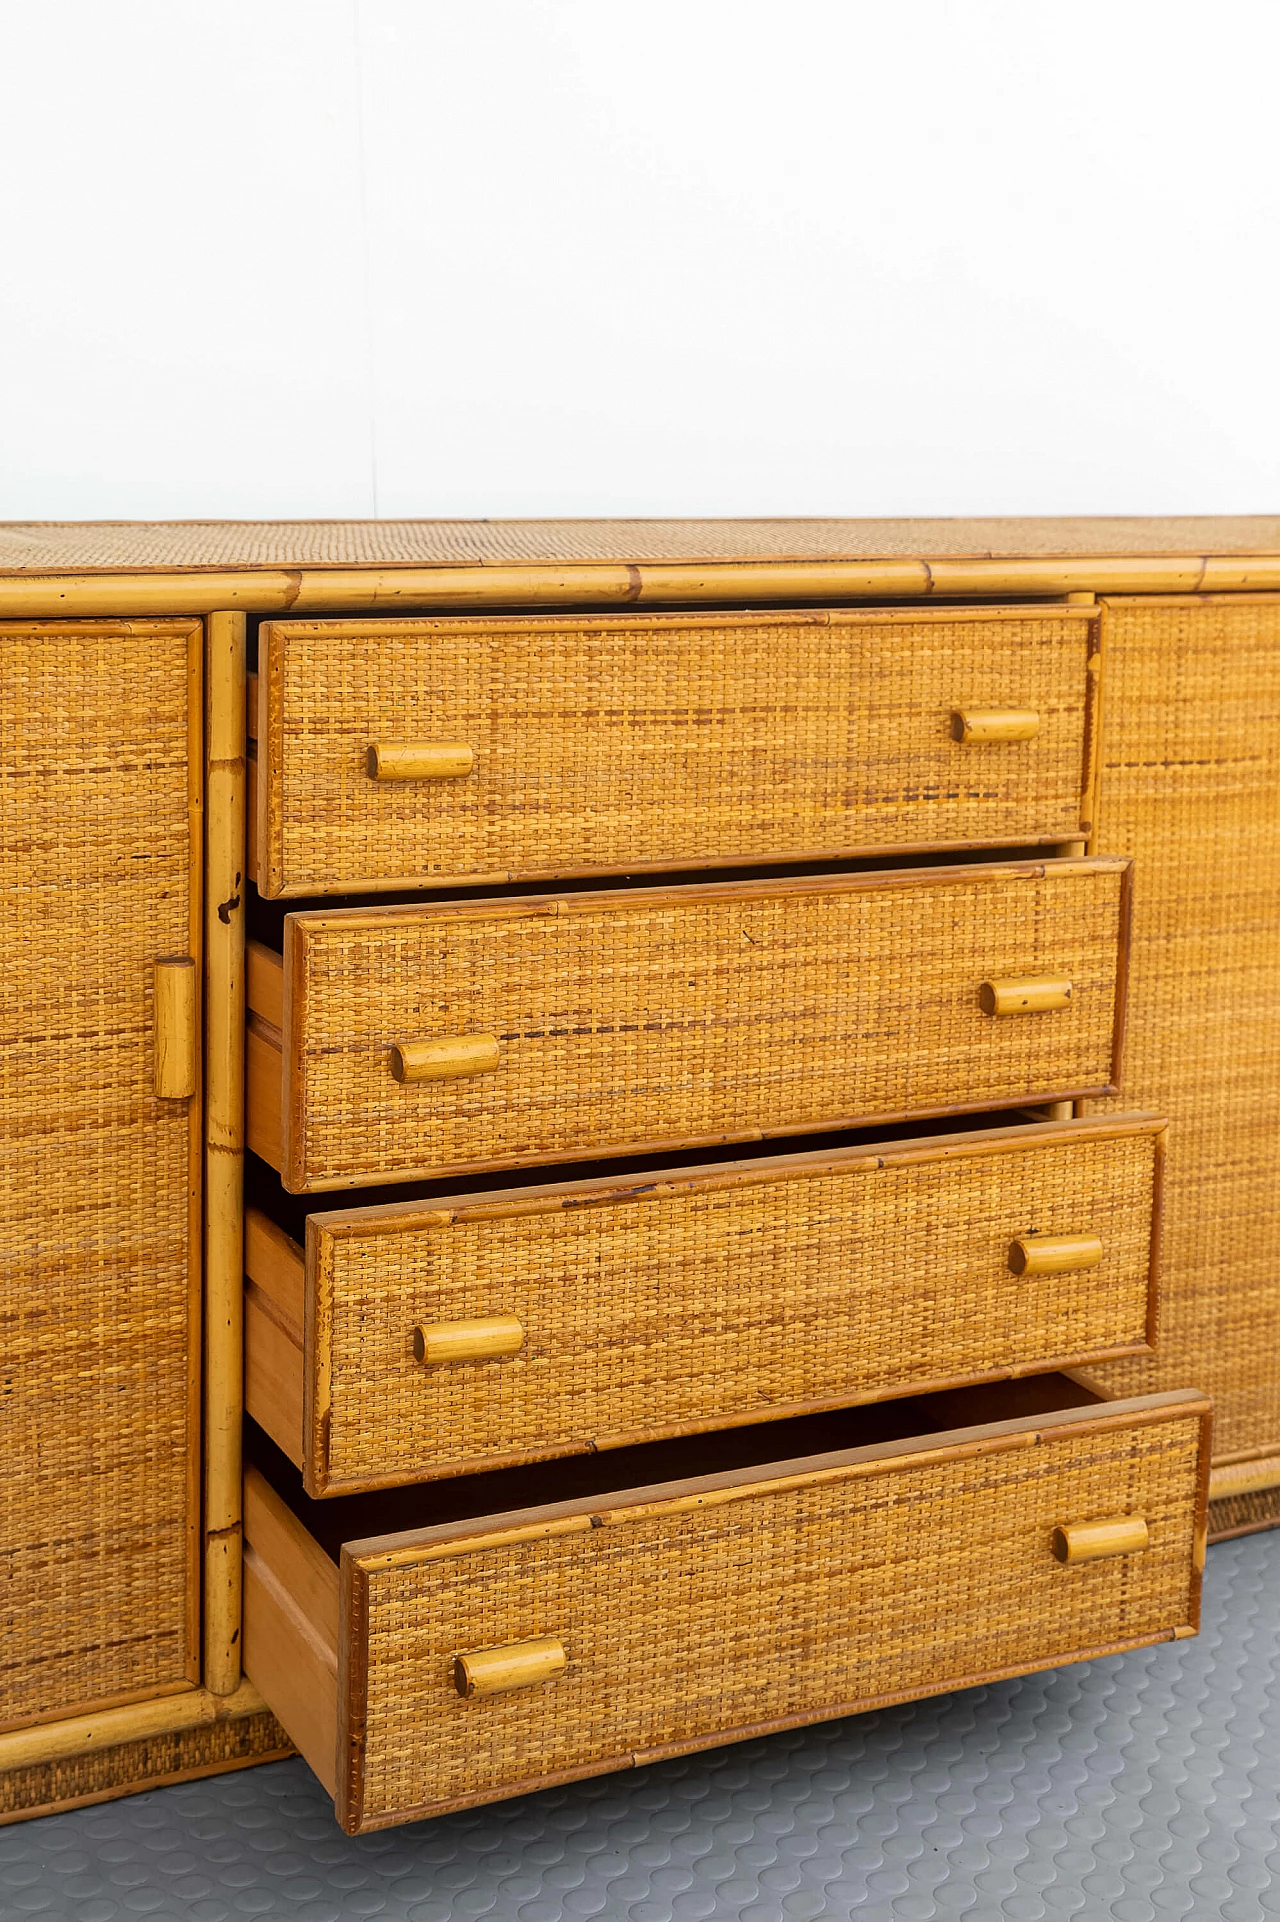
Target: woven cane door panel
1191,787
616,741
716,1298
700,1620
662,1017
98,837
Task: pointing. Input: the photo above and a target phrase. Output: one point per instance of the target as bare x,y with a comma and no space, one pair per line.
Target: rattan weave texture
1191,788
720,1301
97,838
1243,1514
56,546
690,1014
208,1750
622,739
795,1603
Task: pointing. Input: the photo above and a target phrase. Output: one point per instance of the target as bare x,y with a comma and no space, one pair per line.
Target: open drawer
459,1333
415,1041
453,1644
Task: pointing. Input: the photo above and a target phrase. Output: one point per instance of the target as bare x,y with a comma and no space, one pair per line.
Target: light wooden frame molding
225,883
382,589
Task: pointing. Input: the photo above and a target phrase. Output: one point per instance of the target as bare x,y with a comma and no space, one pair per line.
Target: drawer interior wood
792,1572
584,1315
654,1018
589,743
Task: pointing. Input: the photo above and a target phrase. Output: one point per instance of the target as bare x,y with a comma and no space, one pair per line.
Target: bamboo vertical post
224,1146
1071,848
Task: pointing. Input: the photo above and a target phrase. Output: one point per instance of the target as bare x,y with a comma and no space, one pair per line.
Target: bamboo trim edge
111,1728
377,588
224,1147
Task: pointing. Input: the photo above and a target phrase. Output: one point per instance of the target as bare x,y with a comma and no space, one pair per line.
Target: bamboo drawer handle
420,760
437,1341
174,1015
994,724
1053,1254
488,1671
1024,994
1092,1541
445,1058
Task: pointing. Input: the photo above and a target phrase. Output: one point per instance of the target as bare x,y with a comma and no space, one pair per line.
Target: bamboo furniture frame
227,577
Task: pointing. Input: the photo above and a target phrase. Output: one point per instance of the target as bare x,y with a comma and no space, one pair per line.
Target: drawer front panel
692,1619
724,1295
673,1017
615,741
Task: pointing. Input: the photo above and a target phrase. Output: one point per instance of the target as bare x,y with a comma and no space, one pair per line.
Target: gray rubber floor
1141,1787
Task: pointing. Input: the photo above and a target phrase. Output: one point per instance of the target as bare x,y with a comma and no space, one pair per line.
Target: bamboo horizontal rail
317,589
1252,1477
112,1727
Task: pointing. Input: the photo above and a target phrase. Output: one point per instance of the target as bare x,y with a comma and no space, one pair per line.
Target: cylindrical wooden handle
1092,1541
994,724
174,1013
437,1341
419,760
445,1057
1053,1254
488,1671
1024,994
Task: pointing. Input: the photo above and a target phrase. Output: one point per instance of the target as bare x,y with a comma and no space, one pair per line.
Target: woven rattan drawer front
654,1306
610,742
605,1633
660,1018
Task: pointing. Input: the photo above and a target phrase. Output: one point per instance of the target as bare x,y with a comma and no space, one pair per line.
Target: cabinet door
99,1178
1190,787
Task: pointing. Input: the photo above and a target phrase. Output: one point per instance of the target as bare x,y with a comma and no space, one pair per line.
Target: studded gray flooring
1141,1787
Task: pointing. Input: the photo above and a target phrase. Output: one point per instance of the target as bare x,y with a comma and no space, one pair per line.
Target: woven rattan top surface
50,547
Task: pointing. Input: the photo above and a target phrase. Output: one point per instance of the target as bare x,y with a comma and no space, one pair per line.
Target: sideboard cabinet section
576,848
1190,787
100,848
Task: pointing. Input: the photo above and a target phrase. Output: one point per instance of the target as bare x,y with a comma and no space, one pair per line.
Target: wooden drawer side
718,1298
666,1018
618,741
726,1611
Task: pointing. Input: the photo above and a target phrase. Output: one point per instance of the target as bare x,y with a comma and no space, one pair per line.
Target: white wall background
346,257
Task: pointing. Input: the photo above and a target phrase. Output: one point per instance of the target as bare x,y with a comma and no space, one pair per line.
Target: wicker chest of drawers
857,939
